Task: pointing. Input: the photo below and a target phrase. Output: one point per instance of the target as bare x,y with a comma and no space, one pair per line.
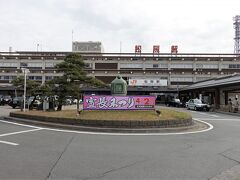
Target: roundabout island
116,113
168,121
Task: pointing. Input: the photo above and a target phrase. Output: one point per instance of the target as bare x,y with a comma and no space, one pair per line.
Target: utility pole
236,25
25,71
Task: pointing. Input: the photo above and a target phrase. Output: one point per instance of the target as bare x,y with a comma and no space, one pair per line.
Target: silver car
197,104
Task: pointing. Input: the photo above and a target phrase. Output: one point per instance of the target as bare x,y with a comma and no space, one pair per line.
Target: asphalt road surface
38,153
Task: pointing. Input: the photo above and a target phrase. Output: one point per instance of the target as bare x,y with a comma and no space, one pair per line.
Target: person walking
230,105
236,104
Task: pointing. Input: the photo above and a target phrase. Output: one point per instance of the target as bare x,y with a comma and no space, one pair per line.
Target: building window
181,66
8,64
49,78
35,65
38,77
88,65
234,66
50,65
181,79
6,77
207,66
130,66
22,64
31,77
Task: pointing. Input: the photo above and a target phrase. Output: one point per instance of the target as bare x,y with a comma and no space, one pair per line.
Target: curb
107,123
196,125
228,113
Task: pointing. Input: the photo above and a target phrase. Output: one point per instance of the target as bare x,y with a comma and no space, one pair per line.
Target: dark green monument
119,86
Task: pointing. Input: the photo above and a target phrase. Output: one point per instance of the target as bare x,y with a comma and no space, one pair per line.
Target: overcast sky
196,26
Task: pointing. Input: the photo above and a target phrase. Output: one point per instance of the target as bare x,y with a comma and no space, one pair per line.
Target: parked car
17,101
174,103
6,99
75,101
186,104
197,104
1,99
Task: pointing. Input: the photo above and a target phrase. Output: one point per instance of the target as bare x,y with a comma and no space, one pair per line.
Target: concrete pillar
220,66
18,64
217,98
194,66
169,80
43,64
226,97
143,66
169,65
43,78
194,78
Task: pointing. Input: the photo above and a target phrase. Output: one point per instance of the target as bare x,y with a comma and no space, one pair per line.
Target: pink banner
118,102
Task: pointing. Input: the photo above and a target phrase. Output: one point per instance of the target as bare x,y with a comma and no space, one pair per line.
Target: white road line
9,143
14,123
209,119
214,115
118,134
202,113
20,132
136,134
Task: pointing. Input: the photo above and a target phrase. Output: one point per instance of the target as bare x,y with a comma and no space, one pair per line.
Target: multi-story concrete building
89,46
144,72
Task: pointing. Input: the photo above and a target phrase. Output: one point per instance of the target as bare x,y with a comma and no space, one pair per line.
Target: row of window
24,64
37,78
7,77
126,65
234,66
179,66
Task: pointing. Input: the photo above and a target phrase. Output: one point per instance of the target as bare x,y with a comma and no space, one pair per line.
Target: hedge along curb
107,123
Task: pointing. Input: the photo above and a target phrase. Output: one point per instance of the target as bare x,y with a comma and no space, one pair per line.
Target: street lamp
77,82
25,71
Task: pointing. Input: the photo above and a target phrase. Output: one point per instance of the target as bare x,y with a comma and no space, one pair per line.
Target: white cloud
196,26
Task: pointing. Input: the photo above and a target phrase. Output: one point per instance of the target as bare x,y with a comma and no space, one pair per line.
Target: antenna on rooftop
72,35
120,47
236,25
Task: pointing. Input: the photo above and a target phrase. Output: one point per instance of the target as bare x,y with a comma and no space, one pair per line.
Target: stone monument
119,86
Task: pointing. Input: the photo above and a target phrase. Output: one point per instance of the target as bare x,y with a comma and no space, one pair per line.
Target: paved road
36,153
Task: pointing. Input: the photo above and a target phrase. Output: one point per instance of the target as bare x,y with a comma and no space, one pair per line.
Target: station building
217,91
145,73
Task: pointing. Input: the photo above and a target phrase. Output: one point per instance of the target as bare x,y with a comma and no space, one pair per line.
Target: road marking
114,134
9,143
20,132
209,119
214,115
24,125
203,113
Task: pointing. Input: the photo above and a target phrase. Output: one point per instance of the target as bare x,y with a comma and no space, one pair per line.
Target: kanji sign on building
156,49
174,49
118,102
138,49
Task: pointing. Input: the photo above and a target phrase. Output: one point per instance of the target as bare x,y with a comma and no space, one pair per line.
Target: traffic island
165,118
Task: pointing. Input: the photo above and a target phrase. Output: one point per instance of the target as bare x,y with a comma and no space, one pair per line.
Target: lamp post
77,82
25,71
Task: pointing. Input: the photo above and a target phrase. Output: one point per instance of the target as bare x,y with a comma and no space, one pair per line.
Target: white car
197,104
